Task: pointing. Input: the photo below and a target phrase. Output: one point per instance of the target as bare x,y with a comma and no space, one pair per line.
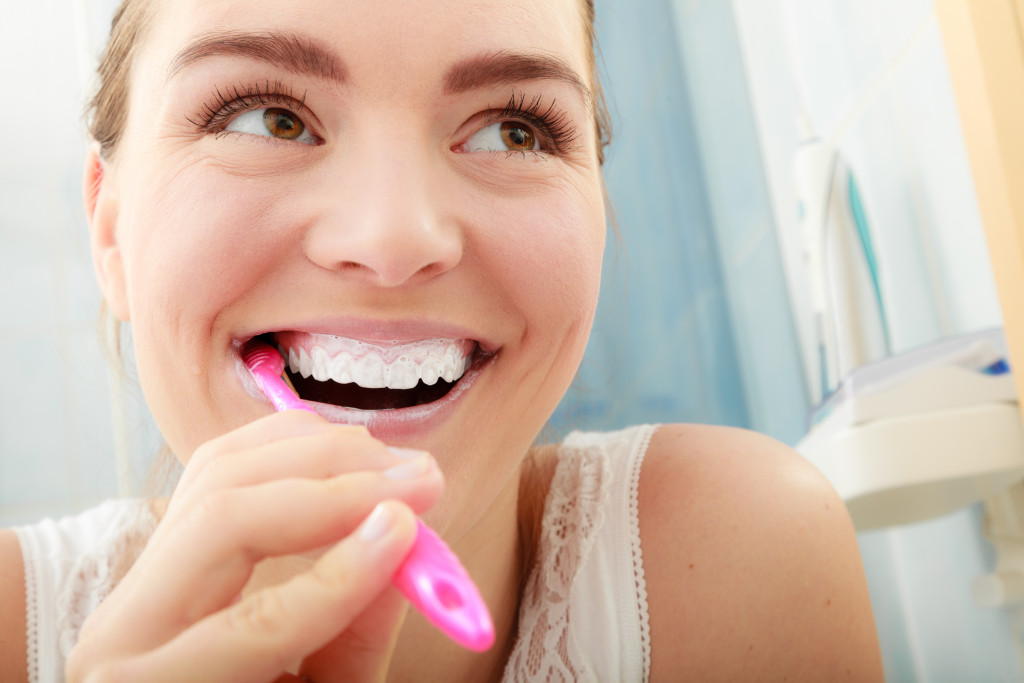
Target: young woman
408,201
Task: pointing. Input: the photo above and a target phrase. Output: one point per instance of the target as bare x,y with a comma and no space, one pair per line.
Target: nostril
385,249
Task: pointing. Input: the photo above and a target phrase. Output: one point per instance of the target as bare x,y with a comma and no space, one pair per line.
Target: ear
100,198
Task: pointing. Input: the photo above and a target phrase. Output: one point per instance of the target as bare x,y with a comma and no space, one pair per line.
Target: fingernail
409,470
405,453
377,524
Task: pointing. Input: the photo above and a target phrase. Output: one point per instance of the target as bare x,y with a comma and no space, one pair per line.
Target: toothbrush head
267,368
261,357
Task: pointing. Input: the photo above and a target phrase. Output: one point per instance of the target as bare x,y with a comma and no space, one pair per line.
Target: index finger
275,628
281,426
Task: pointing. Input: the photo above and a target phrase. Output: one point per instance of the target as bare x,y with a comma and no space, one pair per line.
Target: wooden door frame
984,42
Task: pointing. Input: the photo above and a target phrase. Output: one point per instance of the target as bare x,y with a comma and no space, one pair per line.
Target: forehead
374,37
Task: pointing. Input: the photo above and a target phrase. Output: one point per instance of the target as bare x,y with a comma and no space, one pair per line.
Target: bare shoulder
752,566
13,664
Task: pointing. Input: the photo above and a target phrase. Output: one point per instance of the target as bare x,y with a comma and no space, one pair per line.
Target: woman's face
395,190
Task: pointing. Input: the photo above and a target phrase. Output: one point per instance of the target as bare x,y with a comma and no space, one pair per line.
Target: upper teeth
374,367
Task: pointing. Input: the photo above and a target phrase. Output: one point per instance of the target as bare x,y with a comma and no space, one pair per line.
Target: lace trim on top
638,563
93,575
71,565
573,513
31,616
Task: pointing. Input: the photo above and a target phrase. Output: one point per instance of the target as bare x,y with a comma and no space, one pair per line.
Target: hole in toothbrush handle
435,582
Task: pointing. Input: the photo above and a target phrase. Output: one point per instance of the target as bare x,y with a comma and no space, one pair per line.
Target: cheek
199,244
551,253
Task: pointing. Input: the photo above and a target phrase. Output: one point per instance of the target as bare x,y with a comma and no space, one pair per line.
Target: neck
492,554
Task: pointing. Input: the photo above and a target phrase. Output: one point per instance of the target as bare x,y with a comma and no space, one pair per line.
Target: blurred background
707,312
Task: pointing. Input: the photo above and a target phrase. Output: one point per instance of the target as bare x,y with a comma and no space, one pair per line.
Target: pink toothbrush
431,576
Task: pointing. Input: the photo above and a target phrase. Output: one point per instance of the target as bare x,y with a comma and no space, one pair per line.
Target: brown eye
283,124
517,137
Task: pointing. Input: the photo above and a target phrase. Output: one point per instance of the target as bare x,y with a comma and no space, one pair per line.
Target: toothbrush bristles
257,353
288,381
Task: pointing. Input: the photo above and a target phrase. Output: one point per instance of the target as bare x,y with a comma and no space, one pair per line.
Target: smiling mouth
372,376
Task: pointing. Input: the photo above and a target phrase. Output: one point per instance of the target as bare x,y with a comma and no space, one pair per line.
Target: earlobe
100,199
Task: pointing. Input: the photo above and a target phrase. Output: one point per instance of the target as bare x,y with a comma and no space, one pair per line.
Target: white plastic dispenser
923,433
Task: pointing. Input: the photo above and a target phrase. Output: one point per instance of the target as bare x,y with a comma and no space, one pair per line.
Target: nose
384,221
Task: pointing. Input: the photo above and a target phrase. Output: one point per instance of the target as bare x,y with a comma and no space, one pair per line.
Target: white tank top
584,611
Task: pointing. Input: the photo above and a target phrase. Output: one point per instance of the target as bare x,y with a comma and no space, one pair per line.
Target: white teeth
429,372
321,371
341,373
403,373
368,372
370,369
304,365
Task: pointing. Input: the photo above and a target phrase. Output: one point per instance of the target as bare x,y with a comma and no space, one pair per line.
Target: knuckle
323,444
261,615
360,645
331,578
216,509
348,486
207,453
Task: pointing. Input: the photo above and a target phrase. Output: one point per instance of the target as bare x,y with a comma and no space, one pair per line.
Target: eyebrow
295,53
305,56
502,68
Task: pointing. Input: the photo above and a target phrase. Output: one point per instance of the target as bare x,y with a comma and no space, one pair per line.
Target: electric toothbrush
849,315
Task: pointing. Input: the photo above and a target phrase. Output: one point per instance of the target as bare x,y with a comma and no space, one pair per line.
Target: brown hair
602,117
107,112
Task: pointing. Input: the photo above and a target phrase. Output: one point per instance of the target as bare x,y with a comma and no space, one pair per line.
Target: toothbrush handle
434,581
279,394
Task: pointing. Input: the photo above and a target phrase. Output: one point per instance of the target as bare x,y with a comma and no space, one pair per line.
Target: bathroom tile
952,638
34,438
30,513
27,276
775,108
944,191
908,153
54,134
744,231
662,326
887,176
842,47
775,387
725,129
89,416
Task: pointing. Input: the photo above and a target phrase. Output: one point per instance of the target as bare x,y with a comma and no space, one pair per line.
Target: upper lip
380,331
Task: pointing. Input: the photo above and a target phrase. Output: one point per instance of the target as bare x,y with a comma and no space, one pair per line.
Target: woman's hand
285,484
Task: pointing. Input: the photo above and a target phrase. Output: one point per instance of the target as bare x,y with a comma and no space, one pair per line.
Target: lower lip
396,424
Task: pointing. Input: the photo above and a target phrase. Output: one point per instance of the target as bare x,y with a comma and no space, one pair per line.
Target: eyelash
552,124
239,99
